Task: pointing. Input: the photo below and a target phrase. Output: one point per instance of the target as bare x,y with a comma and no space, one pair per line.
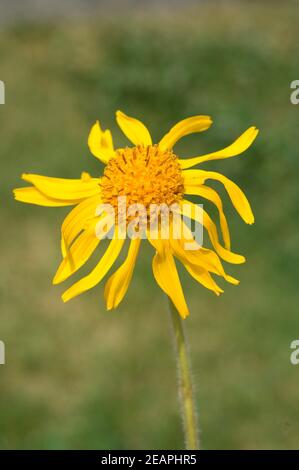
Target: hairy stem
185,382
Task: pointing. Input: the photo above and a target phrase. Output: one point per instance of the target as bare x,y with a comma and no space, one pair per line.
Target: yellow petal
238,146
237,197
211,195
201,257
193,177
76,220
167,277
198,262
73,190
100,143
201,216
79,253
183,128
117,285
31,195
203,277
97,273
134,129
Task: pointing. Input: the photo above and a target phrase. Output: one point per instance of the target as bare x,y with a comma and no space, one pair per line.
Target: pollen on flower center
145,175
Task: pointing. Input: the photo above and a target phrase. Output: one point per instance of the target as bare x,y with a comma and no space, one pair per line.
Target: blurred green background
80,377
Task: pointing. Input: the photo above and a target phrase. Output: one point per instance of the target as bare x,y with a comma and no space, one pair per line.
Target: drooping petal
134,129
79,253
166,275
100,143
197,262
236,148
183,128
211,195
203,277
200,257
117,285
238,198
97,274
73,190
188,209
31,195
76,220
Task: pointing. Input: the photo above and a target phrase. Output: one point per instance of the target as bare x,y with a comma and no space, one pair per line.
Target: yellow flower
145,174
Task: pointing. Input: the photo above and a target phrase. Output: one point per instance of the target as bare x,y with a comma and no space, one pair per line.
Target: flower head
147,175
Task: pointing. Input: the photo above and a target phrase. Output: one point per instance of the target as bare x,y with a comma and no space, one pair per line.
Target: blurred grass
78,377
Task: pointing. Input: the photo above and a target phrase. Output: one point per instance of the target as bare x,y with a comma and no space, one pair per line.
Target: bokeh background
80,377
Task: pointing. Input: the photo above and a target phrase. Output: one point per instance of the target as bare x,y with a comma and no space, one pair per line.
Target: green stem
185,382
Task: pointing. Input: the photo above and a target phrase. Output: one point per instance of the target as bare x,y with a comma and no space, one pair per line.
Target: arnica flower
145,173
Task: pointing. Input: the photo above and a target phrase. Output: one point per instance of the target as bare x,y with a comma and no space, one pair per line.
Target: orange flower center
145,175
